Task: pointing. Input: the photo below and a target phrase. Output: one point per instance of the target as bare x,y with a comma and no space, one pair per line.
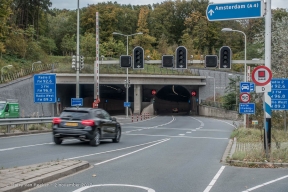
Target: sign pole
267,96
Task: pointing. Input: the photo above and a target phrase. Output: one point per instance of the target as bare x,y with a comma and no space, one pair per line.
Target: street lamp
127,87
6,66
37,62
209,77
245,75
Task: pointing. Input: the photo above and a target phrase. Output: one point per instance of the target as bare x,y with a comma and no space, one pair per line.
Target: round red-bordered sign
261,75
244,97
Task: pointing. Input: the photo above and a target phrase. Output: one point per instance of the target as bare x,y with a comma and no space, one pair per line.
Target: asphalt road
164,154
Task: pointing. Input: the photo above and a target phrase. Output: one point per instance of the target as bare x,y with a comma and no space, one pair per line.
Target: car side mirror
113,118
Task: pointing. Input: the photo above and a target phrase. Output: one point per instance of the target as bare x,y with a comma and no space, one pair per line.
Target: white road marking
193,130
117,185
131,152
113,150
188,132
185,129
226,123
201,122
208,188
267,183
179,136
198,128
12,148
26,135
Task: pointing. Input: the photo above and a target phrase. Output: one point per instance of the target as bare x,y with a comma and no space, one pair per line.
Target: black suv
86,124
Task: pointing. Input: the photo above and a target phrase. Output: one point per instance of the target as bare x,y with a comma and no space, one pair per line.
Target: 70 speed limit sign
244,97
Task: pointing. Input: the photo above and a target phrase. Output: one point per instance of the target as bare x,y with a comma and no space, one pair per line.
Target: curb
227,151
257,164
45,178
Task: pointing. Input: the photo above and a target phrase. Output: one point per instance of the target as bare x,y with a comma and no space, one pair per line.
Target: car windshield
2,106
75,115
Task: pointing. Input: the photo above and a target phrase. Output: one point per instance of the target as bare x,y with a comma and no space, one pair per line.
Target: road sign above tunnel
233,11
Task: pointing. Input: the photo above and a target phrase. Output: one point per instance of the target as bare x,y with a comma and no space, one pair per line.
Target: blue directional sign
232,11
44,88
76,102
279,94
247,108
127,104
246,87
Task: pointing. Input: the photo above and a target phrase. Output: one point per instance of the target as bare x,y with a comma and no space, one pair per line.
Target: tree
87,44
47,44
68,45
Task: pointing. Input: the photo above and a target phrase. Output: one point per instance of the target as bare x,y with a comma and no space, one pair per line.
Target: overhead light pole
245,64
37,62
78,53
6,66
127,87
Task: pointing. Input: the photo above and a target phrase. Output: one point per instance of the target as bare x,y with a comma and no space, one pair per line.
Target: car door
109,125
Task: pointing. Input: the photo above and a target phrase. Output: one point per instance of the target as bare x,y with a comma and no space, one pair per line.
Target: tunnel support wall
137,99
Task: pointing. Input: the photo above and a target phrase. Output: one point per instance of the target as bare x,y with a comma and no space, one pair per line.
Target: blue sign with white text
233,11
279,94
44,88
76,102
247,108
127,104
247,87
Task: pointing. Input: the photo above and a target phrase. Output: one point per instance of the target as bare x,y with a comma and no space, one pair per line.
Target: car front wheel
57,140
96,140
118,136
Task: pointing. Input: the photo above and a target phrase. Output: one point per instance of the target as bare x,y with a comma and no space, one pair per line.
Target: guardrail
24,121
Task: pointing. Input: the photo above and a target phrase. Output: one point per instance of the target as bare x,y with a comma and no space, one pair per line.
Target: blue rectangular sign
76,102
247,87
279,94
44,88
127,104
233,11
247,108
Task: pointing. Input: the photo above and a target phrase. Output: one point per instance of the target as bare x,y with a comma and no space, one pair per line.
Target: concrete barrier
209,111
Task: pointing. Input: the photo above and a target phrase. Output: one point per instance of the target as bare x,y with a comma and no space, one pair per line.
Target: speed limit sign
244,97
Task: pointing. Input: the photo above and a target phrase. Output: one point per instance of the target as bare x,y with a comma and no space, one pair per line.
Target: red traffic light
153,92
193,93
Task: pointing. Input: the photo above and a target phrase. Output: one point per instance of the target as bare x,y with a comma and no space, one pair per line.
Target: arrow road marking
211,12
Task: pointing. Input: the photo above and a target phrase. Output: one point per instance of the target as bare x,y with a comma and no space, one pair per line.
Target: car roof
80,109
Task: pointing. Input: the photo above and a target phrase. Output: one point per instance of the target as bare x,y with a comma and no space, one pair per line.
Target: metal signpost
232,11
76,102
279,94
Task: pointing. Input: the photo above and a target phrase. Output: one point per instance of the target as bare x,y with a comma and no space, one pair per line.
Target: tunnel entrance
172,99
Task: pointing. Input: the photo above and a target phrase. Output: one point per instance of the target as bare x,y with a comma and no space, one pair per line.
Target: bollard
132,118
137,117
141,117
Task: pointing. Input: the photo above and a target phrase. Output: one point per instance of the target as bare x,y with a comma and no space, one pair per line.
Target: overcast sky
72,4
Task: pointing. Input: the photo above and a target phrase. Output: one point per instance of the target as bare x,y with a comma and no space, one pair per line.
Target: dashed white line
131,152
32,134
12,148
179,136
113,150
208,188
267,183
188,132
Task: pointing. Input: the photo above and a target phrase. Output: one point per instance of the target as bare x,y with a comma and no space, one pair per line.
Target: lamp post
78,52
6,66
37,62
127,87
245,72
209,77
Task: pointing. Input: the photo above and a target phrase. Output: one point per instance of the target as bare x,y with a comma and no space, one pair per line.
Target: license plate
71,124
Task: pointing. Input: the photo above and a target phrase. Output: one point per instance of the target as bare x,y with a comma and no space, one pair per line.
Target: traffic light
181,57
81,62
211,61
125,61
74,62
193,93
153,92
138,58
168,61
225,57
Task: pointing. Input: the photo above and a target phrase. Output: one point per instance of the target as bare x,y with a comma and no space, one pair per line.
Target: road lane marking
178,136
188,132
267,183
113,150
208,188
181,134
156,128
12,148
117,185
226,123
26,135
131,152
201,122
